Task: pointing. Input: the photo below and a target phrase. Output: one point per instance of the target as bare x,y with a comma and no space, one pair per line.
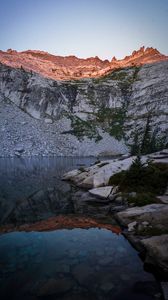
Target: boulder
100,177
85,203
157,251
118,199
71,174
154,214
101,192
19,148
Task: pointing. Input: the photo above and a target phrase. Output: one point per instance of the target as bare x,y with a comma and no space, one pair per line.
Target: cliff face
90,116
71,67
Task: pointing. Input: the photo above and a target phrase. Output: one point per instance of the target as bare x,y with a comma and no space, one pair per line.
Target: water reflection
31,188
74,264
70,264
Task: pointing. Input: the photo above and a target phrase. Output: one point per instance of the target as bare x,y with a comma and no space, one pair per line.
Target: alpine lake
67,261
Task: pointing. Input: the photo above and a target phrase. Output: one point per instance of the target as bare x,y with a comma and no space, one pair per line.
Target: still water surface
66,264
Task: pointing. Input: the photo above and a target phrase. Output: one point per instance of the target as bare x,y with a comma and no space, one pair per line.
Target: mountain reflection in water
58,248
31,188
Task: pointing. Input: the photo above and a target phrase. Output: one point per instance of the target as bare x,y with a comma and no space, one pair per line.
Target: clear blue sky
84,27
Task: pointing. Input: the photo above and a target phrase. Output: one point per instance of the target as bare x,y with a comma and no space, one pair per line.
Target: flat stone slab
101,176
98,175
155,214
101,192
157,250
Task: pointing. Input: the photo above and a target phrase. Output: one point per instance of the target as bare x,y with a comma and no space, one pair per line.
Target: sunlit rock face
90,116
72,67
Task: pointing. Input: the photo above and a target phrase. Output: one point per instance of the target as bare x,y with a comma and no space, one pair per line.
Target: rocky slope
90,116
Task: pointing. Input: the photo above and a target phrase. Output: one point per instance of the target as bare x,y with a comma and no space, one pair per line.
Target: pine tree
146,140
135,147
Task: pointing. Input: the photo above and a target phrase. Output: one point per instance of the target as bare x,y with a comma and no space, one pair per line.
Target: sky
85,28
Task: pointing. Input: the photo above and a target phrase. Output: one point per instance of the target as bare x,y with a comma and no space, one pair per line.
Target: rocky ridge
72,67
90,116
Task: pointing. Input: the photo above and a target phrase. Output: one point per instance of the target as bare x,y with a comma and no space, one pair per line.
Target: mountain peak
72,67
152,50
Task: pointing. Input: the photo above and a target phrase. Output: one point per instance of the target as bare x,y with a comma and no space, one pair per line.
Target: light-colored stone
19,148
155,214
145,223
48,121
163,199
115,190
103,174
71,174
112,197
157,251
131,226
102,192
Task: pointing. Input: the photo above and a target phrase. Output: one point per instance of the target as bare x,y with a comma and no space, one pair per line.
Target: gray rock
118,208
131,226
112,197
119,200
157,251
155,214
17,154
71,174
115,190
100,177
163,199
102,192
19,149
31,98
48,121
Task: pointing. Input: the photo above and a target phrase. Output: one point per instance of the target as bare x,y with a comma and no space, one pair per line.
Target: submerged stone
55,287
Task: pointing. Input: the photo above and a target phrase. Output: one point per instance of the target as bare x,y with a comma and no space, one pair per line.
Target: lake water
75,263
